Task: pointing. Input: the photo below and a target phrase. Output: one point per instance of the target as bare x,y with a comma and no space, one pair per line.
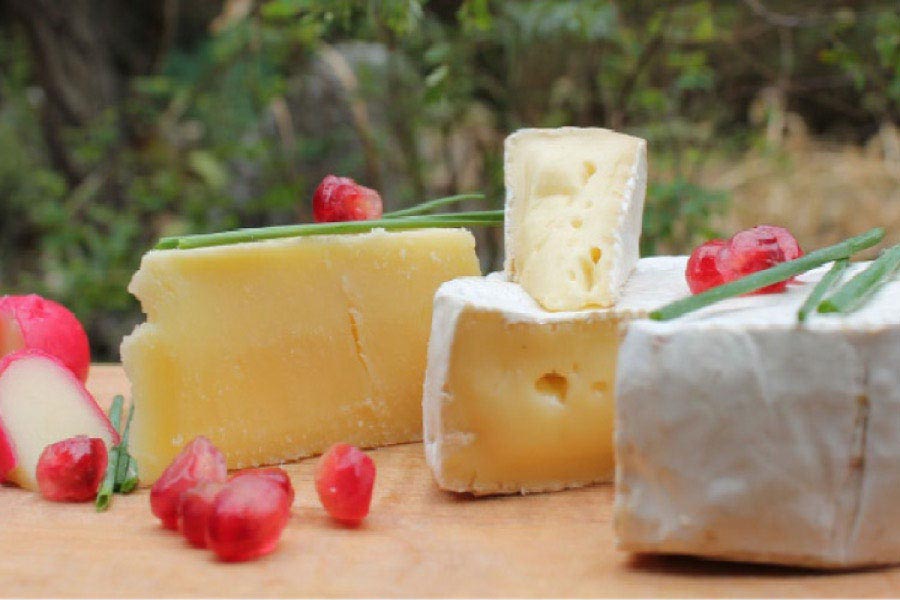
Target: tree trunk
85,52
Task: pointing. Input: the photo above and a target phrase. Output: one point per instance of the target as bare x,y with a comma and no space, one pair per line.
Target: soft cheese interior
575,198
741,435
275,350
520,399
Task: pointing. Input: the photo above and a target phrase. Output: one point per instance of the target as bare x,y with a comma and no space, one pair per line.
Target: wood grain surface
418,541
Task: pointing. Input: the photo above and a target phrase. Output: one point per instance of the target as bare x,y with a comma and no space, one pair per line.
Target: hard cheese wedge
743,436
275,350
519,399
574,203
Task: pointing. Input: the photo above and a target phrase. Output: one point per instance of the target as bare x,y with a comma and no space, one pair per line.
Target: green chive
126,471
776,274
427,207
121,470
486,218
853,294
831,278
104,494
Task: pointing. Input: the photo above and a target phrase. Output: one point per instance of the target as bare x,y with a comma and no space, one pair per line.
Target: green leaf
437,76
208,167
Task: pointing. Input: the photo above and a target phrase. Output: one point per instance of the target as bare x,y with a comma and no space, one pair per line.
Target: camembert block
741,435
574,202
519,399
275,350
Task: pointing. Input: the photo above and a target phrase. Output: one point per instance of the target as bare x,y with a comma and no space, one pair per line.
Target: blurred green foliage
239,119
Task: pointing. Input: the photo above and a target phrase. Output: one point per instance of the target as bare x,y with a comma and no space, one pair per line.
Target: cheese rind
741,435
574,202
275,350
520,399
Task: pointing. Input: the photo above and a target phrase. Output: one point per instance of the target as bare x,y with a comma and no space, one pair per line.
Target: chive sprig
427,207
121,470
415,217
853,294
825,285
778,273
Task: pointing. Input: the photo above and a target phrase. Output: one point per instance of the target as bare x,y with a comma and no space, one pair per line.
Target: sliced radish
42,402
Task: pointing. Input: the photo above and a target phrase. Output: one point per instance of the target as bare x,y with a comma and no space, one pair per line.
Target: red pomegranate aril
194,509
750,251
276,474
344,480
702,270
247,518
342,199
784,238
199,461
73,469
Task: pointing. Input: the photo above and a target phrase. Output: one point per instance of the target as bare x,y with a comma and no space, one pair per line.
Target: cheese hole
587,272
553,386
588,170
600,387
596,253
552,181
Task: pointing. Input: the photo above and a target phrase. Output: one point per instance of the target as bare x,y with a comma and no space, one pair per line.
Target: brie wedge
574,202
743,435
519,399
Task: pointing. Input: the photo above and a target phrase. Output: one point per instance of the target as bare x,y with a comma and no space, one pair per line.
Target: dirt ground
823,192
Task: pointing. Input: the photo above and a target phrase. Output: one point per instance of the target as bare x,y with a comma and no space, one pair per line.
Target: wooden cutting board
418,541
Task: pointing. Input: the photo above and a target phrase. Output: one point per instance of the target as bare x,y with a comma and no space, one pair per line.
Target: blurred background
125,120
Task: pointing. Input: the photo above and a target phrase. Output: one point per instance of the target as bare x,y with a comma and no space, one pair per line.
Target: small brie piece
742,435
574,201
519,399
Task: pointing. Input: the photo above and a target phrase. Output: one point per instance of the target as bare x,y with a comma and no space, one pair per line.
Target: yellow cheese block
521,399
276,350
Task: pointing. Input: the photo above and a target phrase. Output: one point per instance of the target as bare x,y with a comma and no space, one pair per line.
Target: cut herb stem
107,487
121,470
462,219
427,207
126,470
825,285
776,274
860,288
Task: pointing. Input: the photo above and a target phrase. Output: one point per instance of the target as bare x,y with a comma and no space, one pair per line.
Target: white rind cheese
574,201
741,435
520,399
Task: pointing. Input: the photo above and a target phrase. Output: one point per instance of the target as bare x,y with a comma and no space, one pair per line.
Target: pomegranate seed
344,480
73,469
194,509
784,238
702,272
342,199
199,461
275,474
247,518
750,251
